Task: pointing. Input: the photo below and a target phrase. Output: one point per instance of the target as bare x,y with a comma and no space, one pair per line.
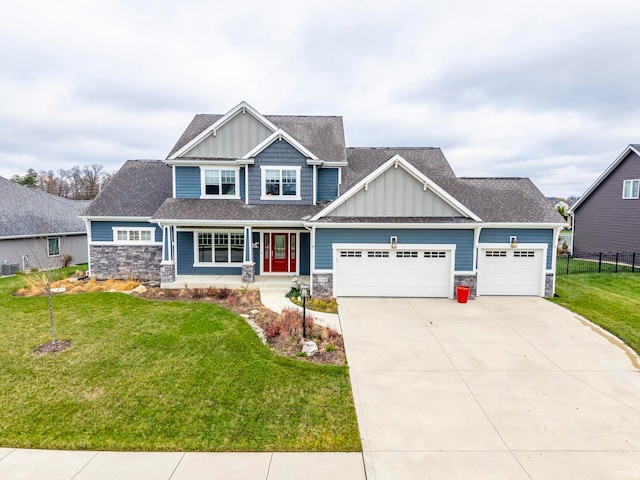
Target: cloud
545,90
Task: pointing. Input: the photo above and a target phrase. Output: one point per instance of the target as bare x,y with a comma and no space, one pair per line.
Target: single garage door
511,272
391,272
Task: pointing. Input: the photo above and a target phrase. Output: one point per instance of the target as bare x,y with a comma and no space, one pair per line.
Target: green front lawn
607,299
158,376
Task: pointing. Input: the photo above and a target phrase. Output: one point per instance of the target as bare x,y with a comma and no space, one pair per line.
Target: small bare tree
45,260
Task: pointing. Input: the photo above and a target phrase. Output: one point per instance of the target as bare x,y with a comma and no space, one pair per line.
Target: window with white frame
133,235
280,183
220,182
631,189
53,246
219,247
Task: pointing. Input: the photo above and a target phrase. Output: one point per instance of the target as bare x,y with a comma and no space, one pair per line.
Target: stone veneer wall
168,272
126,261
322,284
470,281
548,285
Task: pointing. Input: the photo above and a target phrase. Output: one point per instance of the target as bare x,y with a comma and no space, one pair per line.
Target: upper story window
133,235
280,183
220,182
631,189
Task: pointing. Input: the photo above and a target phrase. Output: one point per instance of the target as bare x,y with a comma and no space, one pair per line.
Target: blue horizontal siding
184,264
304,255
525,235
103,231
325,238
256,252
187,182
327,183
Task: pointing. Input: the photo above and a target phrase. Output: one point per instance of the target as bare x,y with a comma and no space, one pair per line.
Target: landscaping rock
256,328
140,289
58,290
310,348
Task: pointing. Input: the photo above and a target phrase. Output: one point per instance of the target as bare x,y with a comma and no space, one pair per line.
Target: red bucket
462,293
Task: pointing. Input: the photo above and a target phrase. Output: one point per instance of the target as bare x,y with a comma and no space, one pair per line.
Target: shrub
66,260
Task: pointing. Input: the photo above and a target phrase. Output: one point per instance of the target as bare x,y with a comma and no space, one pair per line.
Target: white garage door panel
393,273
510,272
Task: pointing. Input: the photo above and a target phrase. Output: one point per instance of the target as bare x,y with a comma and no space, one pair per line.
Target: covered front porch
235,281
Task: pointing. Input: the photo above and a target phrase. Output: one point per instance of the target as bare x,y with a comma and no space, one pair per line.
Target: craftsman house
247,194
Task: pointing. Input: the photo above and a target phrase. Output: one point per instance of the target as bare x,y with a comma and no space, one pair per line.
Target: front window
220,247
220,182
53,244
133,235
631,189
279,183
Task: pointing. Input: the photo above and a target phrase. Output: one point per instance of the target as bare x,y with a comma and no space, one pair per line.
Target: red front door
279,252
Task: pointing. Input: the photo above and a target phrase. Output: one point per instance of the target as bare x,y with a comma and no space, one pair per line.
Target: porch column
248,265
167,266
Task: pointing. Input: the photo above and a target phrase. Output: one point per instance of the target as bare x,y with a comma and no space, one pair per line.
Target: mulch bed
53,347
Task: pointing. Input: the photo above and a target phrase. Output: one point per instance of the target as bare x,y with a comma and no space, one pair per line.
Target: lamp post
304,293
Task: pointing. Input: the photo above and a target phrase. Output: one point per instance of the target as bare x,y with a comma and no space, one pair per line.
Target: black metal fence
598,263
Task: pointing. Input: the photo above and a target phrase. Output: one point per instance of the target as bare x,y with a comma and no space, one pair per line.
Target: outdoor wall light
513,241
394,242
256,245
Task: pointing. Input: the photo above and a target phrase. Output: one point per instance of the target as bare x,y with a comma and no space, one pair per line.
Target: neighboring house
36,228
248,194
607,217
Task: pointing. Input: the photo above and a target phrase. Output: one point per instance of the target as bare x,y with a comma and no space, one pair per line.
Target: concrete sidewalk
273,297
19,464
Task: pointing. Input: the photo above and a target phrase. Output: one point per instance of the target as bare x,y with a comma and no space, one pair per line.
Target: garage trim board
408,270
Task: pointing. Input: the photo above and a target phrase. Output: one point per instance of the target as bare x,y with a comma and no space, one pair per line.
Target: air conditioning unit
9,268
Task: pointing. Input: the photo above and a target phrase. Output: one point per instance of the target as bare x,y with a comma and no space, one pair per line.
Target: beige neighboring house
36,228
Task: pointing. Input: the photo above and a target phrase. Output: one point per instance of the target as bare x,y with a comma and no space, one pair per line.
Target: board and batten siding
605,222
281,154
233,140
188,181
327,183
326,237
395,193
524,235
103,231
185,260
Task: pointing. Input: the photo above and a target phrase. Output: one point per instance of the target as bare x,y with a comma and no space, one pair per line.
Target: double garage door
428,272
389,272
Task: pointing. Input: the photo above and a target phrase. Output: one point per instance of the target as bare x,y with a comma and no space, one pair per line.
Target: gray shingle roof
213,209
136,190
321,135
363,161
27,212
504,200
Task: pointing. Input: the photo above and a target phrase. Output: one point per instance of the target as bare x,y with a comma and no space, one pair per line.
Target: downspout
554,255
87,224
312,253
476,241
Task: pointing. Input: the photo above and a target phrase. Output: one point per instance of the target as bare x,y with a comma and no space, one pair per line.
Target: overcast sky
548,89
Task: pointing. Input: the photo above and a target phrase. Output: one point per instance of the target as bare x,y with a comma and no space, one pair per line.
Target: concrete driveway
500,387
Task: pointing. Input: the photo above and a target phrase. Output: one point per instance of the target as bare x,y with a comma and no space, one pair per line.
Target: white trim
117,219
280,135
631,180
219,168
315,184
604,175
396,161
399,226
213,263
40,235
173,182
242,107
197,162
151,230
280,168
